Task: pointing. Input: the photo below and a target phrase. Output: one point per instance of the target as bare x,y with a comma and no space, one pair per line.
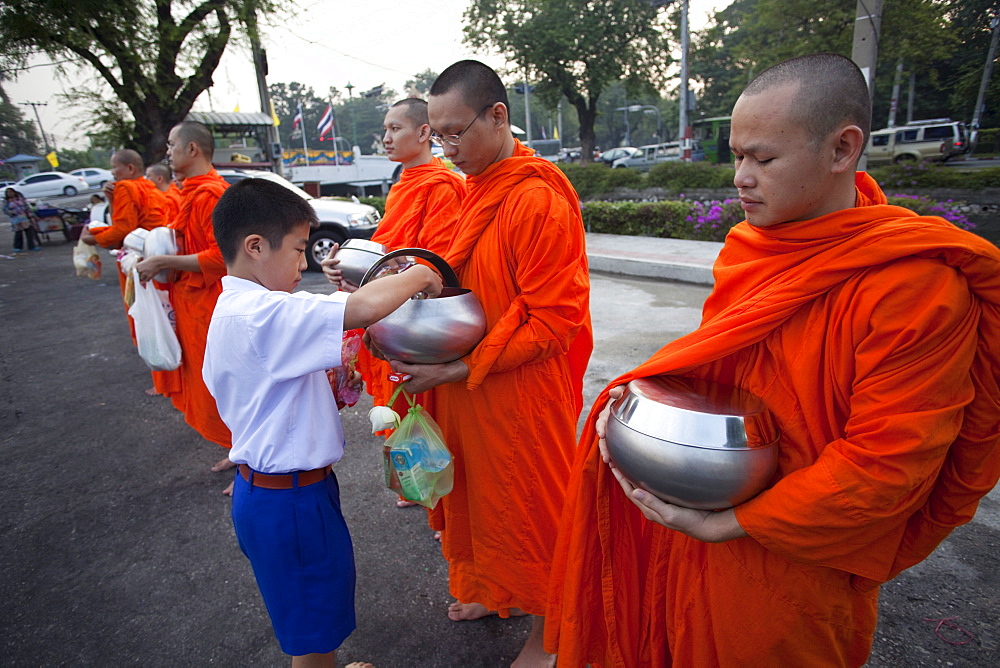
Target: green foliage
586,179
650,219
623,177
680,176
574,48
988,142
17,133
70,159
928,175
155,56
377,202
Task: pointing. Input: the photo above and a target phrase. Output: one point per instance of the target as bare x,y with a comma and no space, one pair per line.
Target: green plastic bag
418,465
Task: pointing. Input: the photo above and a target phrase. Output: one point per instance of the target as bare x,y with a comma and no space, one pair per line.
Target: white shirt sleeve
298,334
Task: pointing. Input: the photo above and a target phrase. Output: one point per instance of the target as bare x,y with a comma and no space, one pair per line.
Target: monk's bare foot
360,664
533,654
403,503
222,465
151,392
467,612
229,490
437,536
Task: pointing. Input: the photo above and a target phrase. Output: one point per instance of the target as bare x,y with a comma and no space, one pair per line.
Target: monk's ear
498,115
253,245
848,143
424,133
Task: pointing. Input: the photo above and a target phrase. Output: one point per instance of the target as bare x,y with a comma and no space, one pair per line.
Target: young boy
265,363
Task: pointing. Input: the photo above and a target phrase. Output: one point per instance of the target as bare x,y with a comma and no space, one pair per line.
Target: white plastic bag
155,337
86,260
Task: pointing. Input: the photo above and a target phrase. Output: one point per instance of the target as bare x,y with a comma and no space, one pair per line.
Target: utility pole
527,108
984,84
894,102
35,106
260,68
684,95
864,52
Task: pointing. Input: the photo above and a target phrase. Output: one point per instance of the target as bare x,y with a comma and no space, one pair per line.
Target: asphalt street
117,547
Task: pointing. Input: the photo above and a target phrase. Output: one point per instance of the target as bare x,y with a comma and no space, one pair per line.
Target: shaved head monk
509,408
871,335
135,204
162,178
421,211
190,147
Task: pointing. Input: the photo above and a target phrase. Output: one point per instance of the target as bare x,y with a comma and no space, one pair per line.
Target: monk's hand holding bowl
376,352
601,425
426,376
709,526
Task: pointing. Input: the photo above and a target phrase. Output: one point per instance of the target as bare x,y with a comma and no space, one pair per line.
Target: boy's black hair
257,206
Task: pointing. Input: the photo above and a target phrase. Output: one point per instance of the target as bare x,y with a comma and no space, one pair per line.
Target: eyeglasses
455,140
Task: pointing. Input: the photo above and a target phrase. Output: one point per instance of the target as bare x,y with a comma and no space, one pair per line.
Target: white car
50,184
94,176
339,220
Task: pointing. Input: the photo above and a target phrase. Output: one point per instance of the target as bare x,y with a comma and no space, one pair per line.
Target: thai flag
325,126
297,121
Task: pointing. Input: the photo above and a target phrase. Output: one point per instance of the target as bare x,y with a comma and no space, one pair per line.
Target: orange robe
194,296
512,425
871,335
421,211
137,204
173,201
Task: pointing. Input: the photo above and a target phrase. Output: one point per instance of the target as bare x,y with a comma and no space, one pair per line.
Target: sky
324,43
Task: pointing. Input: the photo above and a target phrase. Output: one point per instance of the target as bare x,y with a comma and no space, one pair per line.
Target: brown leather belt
282,480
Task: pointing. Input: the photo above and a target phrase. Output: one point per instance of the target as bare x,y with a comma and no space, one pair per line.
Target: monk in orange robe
870,333
161,177
135,204
508,409
190,147
421,211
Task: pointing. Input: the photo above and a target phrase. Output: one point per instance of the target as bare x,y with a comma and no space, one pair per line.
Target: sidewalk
652,257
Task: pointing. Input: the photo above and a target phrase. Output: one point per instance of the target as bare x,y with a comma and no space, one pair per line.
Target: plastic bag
86,260
418,465
154,334
344,391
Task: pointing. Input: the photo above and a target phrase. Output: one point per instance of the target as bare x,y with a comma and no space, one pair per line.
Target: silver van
938,139
644,157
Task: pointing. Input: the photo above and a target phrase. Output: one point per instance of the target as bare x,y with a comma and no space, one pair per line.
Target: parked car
50,184
938,140
339,219
4,185
94,176
645,157
612,154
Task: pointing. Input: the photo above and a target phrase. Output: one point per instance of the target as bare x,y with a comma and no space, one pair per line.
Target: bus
713,133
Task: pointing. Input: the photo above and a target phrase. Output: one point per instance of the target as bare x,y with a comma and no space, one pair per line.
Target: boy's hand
434,281
334,275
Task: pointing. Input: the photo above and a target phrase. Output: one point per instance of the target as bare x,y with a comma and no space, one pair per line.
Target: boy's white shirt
265,364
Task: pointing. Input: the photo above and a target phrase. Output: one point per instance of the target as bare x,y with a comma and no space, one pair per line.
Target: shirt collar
241,284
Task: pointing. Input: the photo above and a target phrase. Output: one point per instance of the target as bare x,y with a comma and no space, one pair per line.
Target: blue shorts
301,553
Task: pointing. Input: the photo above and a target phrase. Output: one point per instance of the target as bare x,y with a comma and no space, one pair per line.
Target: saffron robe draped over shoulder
871,334
512,426
421,211
194,296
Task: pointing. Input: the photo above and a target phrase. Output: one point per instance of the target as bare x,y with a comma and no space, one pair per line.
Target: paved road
117,547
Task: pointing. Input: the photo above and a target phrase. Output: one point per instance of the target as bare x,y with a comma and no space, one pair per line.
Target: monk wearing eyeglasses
871,334
509,408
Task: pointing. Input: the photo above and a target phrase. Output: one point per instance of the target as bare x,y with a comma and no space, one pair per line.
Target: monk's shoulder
910,288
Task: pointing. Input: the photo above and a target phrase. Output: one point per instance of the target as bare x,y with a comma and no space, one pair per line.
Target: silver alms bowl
429,331
693,443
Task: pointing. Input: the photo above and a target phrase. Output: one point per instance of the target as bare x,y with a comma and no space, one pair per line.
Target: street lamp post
350,103
628,130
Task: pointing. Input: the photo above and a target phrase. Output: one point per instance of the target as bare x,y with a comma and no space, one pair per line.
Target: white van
938,139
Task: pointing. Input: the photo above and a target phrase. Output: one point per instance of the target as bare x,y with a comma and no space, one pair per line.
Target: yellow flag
274,116
236,110
53,160
555,133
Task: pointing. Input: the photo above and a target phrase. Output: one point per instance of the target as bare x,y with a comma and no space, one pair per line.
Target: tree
17,134
156,56
420,84
575,48
750,35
